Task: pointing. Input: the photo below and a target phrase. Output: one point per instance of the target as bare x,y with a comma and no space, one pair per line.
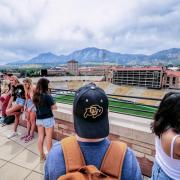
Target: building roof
173,73
148,68
101,68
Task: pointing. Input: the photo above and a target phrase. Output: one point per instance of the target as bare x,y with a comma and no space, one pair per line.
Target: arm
131,169
52,103
54,107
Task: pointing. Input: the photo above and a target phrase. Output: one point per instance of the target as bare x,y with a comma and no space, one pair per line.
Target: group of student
30,103
90,154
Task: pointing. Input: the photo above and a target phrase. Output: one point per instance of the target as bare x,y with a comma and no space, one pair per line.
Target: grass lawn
119,106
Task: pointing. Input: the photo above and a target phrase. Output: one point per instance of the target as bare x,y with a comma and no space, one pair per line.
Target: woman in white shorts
45,122
29,110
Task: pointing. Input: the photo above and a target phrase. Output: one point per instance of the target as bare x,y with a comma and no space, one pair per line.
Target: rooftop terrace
19,160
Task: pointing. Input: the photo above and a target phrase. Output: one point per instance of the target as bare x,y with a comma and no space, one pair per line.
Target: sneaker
12,135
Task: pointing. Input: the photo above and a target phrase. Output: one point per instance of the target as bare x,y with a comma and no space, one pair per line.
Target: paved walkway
19,160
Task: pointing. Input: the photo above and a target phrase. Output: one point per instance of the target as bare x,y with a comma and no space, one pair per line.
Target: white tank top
168,164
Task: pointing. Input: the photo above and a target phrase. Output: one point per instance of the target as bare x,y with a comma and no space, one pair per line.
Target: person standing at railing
166,127
29,110
45,122
90,153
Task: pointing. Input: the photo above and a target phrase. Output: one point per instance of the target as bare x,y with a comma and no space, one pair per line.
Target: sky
31,27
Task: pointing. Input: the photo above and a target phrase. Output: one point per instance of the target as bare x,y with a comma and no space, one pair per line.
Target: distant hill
94,55
170,56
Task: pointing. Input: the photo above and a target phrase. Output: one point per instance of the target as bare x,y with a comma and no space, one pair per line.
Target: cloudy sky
30,27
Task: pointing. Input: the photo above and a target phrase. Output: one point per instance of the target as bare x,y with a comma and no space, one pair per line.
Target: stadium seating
152,93
73,85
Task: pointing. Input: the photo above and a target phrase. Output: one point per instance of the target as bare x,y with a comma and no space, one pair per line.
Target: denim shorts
158,173
20,101
30,105
46,123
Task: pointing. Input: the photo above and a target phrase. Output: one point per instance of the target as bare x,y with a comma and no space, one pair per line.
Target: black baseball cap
90,112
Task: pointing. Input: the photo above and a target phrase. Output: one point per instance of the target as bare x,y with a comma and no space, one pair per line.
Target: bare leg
13,110
28,126
16,123
49,133
32,118
41,134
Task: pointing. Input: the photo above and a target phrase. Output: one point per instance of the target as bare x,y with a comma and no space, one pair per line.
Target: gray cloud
28,28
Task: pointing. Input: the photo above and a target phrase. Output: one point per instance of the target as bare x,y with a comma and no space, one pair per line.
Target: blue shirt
93,153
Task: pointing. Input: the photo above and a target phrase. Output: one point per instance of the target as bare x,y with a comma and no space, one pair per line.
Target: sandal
29,138
24,137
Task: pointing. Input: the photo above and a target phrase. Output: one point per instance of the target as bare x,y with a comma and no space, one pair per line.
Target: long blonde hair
16,79
28,81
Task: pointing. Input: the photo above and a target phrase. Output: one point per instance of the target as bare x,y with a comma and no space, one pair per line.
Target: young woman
29,109
16,103
166,127
45,121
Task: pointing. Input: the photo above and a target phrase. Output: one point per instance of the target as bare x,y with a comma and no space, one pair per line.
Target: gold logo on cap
94,111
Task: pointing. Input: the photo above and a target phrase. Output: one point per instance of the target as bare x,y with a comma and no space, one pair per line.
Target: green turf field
119,106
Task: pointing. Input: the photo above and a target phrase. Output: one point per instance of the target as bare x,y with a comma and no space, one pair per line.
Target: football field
117,105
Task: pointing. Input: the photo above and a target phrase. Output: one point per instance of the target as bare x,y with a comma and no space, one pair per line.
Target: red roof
149,68
173,73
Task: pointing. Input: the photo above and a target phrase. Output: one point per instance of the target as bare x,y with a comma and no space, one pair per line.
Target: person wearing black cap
91,124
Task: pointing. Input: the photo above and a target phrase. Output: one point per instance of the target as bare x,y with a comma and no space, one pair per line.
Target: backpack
76,169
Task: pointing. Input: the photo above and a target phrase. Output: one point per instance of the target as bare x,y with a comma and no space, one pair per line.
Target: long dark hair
41,87
168,114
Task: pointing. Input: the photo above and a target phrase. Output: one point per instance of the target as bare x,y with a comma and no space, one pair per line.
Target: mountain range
94,55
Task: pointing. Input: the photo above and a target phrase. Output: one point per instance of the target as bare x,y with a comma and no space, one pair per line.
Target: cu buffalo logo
94,111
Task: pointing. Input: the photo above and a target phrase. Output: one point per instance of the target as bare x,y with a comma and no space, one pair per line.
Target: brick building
172,79
57,72
151,77
72,67
95,71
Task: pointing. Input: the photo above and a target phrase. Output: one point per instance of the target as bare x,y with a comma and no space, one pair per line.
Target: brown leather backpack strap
72,154
113,159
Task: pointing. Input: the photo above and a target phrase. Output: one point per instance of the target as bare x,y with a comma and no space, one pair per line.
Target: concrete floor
19,160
